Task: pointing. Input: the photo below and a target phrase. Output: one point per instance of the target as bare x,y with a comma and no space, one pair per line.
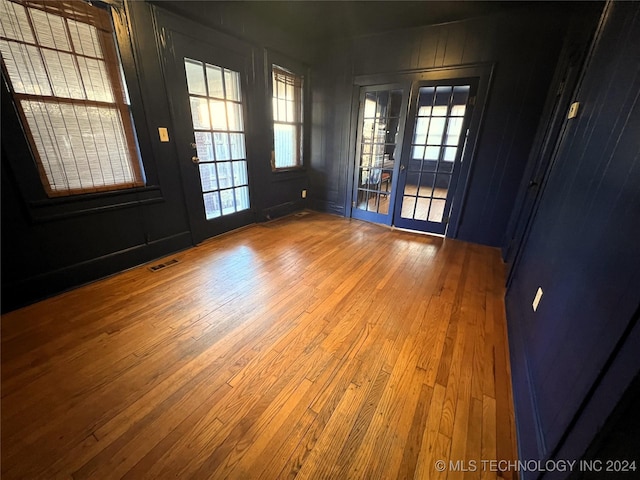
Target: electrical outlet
537,298
304,194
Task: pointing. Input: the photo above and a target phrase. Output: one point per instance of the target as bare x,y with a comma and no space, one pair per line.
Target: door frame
173,30
482,71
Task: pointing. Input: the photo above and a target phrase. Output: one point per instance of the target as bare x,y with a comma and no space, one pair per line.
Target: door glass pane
232,85
218,115
236,141
200,113
227,200
208,177
377,153
211,205
195,77
422,208
216,110
214,81
222,146
437,210
204,146
224,175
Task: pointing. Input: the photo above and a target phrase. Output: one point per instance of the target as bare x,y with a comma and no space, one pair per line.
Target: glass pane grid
437,134
380,123
217,118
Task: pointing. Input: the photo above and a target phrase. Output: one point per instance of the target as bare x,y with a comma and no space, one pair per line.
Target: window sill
59,208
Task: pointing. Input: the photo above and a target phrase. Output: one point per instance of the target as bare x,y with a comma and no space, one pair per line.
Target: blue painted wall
571,360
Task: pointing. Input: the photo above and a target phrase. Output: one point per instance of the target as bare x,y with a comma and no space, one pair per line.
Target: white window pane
450,154
285,145
417,152
50,30
240,173
225,175
214,81
237,146
453,131
195,77
282,111
232,85
420,135
208,177
431,153
204,146
218,115
25,68
227,201
14,23
458,110
436,131
85,39
437,210
234,112
95,80
199,113
211,205
221,141
63,74
242,198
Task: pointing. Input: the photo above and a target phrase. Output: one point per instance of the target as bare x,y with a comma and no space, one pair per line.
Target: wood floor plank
306,347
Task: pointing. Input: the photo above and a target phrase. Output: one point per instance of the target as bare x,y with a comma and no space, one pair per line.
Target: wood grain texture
309,347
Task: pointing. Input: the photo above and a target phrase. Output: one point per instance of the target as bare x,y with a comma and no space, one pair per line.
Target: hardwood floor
310,347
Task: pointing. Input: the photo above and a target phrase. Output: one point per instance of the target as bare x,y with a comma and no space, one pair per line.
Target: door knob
401,167
195,159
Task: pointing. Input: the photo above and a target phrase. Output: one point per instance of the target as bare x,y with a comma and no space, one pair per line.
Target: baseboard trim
45,285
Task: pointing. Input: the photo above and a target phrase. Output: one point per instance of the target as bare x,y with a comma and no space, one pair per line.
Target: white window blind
287,119
65,74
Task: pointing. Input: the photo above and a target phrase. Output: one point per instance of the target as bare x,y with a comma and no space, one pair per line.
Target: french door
209,104
410,145
378,150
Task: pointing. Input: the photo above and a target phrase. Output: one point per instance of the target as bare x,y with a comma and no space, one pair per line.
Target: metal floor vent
160,266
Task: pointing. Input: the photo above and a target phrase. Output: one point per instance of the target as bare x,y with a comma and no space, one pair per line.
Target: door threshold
420,232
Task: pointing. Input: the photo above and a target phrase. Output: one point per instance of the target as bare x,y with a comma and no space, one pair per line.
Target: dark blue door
437,130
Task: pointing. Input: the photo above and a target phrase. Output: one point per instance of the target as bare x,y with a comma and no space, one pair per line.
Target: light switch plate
536,300
164,134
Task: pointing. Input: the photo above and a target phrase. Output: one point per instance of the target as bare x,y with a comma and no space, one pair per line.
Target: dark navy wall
523,44
51,245
575,356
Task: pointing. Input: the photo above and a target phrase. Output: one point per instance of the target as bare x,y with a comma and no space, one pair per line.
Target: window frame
20,157
302,70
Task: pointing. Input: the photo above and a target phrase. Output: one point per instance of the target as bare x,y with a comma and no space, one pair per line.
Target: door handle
195,159
194,145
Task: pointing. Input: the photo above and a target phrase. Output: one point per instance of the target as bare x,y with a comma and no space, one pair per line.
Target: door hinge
445,220
353,204
560,88
472,101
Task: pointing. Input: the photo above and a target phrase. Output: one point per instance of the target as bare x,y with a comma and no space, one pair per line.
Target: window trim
20,160
297,68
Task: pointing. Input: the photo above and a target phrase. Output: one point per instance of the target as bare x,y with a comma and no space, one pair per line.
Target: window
65,74
287,119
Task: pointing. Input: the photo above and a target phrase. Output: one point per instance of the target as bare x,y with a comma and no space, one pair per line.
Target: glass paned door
439,122
215,98
380,128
